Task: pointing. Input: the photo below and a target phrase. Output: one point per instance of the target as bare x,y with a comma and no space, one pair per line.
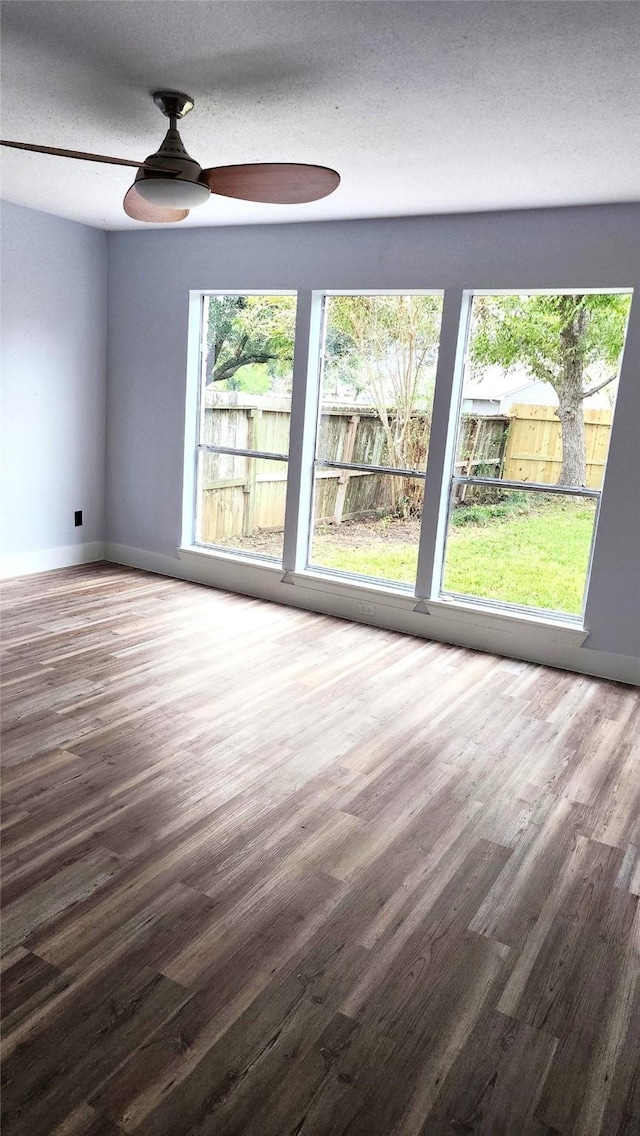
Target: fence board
534,444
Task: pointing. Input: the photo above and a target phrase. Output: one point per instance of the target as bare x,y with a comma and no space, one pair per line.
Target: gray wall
54,313
151,273
55,349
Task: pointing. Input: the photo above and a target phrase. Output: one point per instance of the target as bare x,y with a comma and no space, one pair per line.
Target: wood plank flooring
268,873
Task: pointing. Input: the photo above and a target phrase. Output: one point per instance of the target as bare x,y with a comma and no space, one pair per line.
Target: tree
557,338
383,347
246,330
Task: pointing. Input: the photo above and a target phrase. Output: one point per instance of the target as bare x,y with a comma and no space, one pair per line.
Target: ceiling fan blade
135,206
277,183
85,157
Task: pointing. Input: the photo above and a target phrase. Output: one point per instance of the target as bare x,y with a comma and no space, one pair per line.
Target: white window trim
307,371
449,375
437,593
307,366
191,418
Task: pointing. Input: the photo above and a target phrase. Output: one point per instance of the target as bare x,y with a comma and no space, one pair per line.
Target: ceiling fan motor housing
182,190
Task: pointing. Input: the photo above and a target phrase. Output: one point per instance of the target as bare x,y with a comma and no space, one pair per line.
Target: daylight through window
376,395
245,415
537,404
509,513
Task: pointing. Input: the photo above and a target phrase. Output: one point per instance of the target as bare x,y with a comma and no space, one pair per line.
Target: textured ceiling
423,107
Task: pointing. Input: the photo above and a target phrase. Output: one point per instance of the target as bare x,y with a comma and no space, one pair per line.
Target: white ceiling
425,107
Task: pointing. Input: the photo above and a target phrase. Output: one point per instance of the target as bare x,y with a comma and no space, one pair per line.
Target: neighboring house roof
517,385
496,383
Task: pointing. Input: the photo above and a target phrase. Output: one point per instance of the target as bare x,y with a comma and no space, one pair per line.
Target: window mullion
193,416
302,435
453,337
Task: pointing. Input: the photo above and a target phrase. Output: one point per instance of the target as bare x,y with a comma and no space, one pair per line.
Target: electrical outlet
77,517
366,609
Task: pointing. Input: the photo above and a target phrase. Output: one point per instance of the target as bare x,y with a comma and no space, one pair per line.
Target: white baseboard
532,641
46,559
148,561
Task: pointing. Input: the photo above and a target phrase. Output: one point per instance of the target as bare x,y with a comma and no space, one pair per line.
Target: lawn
536,556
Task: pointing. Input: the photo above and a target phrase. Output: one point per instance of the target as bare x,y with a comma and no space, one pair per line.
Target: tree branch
242,343
226,370
598,387
542,371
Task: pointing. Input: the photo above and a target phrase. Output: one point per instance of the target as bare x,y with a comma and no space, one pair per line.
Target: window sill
196,553
401,599
483,615
385,594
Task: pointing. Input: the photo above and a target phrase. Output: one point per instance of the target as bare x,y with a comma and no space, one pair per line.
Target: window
245,413
376,394
492,501
541,373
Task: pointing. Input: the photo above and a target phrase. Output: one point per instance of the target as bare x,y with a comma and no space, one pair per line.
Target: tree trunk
574,467
570,391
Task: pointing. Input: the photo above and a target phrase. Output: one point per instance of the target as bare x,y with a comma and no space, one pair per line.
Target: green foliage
556,338
476,514
384,347
253,378
529,330
405,508
342,371
249,331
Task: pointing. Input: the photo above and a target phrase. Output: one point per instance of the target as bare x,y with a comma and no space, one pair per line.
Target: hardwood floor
267,873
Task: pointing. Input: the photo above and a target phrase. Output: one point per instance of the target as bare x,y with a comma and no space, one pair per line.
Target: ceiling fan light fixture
182,187
172,193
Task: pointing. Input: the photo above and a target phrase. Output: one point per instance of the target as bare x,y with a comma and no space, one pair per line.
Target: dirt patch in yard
348,534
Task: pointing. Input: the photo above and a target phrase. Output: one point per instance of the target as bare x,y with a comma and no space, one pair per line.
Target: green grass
539,559
397,562
536,556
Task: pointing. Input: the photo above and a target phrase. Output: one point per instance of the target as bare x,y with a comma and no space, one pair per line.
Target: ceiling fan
169,183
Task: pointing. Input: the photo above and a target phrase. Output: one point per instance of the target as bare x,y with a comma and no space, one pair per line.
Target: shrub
513,504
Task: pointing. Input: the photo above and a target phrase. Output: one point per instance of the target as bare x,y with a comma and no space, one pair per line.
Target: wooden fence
481,449
534,444
242,496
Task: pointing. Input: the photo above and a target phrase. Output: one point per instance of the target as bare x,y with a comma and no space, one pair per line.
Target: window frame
319,463
439,593
205,447
428,595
